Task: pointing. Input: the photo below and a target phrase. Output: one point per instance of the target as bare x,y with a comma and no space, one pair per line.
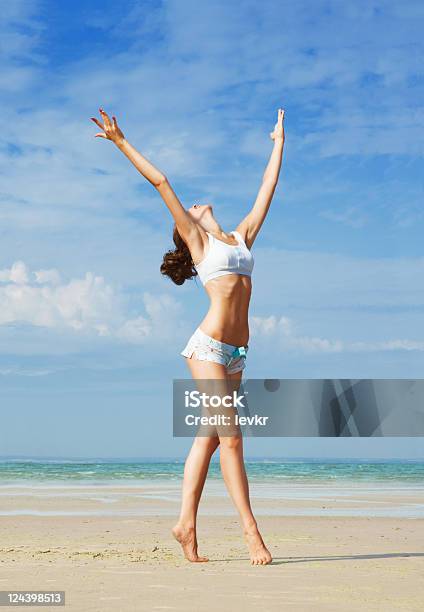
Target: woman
218,348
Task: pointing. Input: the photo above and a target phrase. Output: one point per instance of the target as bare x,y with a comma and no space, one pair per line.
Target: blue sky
90,332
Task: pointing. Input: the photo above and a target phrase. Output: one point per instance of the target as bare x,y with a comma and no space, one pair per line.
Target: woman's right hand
110,128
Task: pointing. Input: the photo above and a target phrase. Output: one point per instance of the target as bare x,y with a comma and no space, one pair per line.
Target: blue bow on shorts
240,351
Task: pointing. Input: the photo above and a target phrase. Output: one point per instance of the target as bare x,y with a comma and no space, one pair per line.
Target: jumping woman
218,348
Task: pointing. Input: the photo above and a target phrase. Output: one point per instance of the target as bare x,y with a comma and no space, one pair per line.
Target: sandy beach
128,561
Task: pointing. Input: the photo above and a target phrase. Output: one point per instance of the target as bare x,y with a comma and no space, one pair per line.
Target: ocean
284,487
95,471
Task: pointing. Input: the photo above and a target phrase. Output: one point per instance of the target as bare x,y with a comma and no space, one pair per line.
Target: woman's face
200,211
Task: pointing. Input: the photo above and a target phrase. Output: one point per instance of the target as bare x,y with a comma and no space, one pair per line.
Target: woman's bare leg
195,471
235,477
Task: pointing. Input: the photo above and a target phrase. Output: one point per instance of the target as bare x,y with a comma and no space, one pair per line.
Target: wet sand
128,562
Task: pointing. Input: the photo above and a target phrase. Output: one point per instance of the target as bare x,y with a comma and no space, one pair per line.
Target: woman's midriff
227,319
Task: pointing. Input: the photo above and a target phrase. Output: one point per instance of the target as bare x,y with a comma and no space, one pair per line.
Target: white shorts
206,348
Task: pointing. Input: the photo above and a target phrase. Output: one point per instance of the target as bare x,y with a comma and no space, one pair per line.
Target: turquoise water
302,471
285,488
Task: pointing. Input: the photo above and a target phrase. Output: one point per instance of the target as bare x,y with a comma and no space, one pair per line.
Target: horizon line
163,459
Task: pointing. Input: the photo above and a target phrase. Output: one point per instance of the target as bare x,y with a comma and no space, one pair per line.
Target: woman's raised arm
251,224
111,131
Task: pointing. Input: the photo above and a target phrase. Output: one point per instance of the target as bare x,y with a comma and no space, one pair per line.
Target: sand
128,563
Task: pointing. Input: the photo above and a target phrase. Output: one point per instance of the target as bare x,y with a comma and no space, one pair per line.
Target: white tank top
223,258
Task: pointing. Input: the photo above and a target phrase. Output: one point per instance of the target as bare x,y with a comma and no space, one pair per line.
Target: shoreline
269,498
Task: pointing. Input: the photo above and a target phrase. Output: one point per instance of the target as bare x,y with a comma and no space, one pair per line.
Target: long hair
178,264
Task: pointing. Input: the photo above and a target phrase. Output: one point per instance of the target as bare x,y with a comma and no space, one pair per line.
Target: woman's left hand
278,133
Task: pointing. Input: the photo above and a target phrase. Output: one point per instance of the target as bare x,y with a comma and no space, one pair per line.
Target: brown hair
178,264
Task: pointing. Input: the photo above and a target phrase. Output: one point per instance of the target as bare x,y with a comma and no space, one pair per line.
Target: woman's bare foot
259,554
186,536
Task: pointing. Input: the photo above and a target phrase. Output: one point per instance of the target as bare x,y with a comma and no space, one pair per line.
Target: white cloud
18,371
135,330
17,274
284,335
47,277
83,305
